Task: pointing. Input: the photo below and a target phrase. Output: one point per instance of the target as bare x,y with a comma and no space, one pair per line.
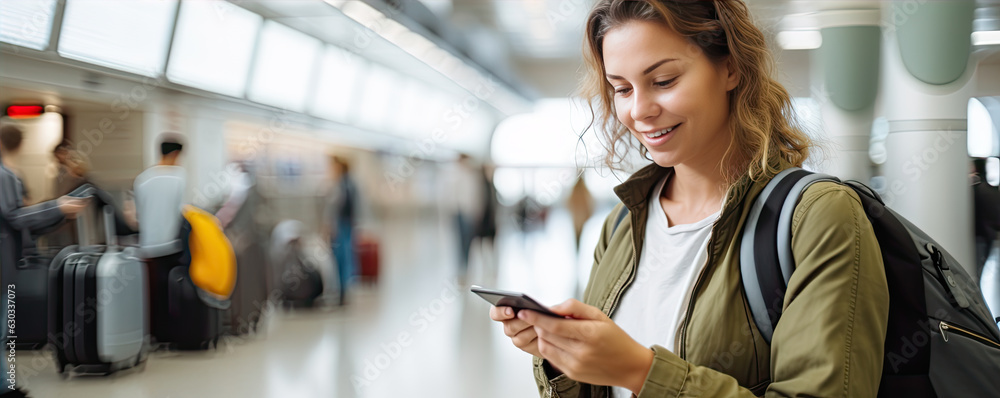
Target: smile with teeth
660,132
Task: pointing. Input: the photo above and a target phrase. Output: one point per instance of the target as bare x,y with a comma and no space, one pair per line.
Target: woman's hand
520,332
71,206
590,347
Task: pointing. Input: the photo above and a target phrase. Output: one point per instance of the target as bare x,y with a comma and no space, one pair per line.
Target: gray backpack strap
766,261
784,237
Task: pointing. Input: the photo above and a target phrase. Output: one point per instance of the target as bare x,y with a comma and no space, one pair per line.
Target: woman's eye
665,82
623,90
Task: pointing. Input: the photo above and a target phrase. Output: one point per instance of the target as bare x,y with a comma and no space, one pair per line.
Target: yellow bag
213,262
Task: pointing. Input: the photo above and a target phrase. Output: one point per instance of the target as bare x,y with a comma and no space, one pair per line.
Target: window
338,89
127,35
379,99
213,46
283,68
27,23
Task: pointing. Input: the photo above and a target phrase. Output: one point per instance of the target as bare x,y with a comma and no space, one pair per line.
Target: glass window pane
283,67
338,86
128,35
27,23
378,99
411,107
213,46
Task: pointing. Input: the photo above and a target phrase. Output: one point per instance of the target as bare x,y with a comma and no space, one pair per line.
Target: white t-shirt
653,308
159,196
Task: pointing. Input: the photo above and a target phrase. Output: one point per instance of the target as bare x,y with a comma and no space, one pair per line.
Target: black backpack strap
766,261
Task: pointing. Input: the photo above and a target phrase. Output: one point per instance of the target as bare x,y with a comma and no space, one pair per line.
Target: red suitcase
366,249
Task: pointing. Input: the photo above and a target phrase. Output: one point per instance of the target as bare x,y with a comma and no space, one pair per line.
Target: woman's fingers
500,314
559,357
514,327
575,329
525,340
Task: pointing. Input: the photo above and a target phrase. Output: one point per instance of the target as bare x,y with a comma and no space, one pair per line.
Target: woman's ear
732,74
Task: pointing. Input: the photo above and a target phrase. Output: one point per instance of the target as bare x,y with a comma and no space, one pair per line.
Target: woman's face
669,94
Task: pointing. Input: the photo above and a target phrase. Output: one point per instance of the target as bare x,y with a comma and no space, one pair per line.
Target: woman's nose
644,105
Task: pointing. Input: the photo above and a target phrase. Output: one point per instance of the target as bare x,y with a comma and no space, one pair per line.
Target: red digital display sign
24,111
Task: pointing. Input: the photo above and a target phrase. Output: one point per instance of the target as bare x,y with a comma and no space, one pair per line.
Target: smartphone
515,300
83,191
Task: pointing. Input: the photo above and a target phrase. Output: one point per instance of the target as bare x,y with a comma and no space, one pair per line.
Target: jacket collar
634,192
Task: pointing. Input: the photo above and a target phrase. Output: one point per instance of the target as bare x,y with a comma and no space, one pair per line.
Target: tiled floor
416,333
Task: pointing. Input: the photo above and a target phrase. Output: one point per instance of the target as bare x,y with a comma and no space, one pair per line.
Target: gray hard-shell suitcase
103,303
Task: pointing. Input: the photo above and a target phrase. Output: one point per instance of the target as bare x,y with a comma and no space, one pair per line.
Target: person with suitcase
159,197
18,222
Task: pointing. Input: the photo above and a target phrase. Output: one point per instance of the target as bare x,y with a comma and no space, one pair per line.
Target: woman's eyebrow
645,72
657,65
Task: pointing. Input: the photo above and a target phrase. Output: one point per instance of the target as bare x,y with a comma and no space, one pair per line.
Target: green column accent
934,38
850,59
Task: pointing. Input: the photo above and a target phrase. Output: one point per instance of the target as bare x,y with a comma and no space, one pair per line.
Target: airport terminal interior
356,166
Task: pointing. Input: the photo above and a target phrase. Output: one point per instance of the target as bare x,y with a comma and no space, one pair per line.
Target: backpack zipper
960,299
947,327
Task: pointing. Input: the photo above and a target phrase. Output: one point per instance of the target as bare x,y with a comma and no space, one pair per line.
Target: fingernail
509,312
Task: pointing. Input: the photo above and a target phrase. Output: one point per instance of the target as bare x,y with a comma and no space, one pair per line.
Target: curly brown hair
763,123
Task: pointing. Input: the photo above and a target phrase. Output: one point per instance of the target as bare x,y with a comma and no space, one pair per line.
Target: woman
664,313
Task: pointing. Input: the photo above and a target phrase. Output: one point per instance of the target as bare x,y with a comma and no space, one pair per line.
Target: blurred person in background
464,197
239,189
486,231
692,82
72,168
70,176
340,217
581,206
18,223
159,197
986,204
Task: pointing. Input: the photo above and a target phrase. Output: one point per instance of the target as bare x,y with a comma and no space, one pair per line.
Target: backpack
213,262
941,339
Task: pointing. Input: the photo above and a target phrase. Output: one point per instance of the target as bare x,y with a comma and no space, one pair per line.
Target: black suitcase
58,338
97,309
32,297
192,325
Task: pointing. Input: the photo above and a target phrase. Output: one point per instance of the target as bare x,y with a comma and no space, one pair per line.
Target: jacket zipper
631,275
947,327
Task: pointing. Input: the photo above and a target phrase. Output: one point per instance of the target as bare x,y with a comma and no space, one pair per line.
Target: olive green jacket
830,340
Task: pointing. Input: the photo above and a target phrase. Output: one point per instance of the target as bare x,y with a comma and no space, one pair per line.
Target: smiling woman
664,312
724,39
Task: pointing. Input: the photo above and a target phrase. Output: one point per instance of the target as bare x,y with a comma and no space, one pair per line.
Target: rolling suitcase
97,322
367,252
193,325
32,291
184,320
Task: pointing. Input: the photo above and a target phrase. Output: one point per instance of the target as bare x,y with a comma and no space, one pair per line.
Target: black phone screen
515,300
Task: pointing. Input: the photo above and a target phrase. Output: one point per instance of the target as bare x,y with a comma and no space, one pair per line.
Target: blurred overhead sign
24,111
